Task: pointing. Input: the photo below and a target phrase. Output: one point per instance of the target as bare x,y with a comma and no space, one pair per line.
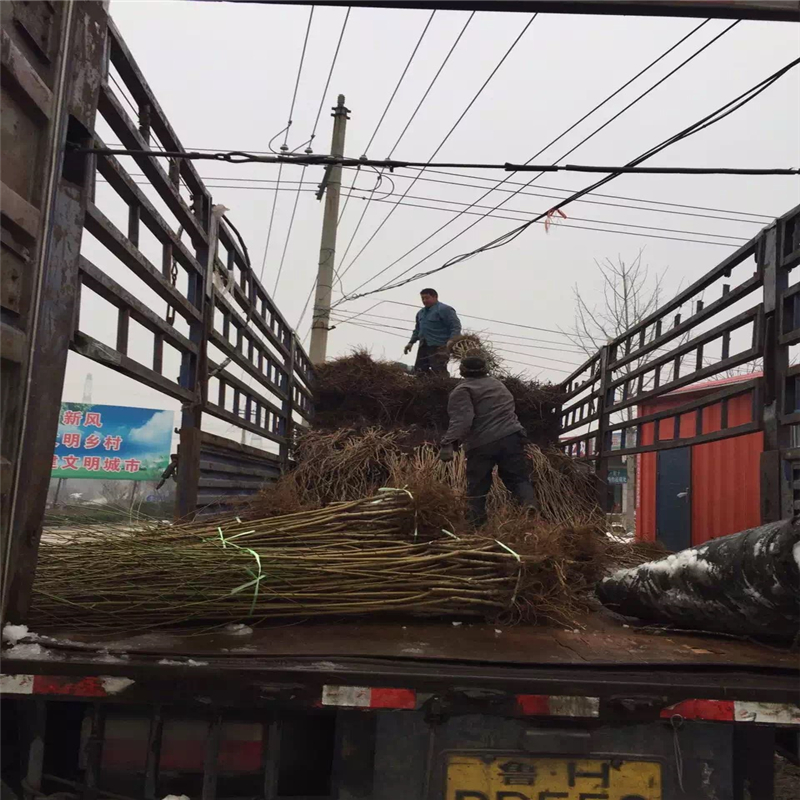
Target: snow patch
685,560
114,685
109,658
13,633
238,629
796,554
34,651
190,662
176,797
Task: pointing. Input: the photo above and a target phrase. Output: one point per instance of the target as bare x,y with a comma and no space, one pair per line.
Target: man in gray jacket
484,420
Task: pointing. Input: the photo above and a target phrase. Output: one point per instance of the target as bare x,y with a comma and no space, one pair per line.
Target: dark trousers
508,455
431,358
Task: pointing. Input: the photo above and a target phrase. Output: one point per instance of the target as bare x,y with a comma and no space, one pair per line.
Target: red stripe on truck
77,687
393,698
719,710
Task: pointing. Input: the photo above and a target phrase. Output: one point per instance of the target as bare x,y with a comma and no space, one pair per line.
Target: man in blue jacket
436,325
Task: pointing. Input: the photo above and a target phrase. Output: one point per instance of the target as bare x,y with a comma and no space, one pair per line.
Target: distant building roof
714,384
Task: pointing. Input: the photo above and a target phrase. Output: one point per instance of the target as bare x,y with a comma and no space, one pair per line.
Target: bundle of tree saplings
360,557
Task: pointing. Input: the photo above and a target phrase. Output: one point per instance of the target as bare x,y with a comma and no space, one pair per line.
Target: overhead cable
403,133
400,336
716,116
236,157
380,122
765,217
310,141
285,147
522,216
636,100
448,134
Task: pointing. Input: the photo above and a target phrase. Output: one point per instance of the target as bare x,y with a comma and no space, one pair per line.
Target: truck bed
599,656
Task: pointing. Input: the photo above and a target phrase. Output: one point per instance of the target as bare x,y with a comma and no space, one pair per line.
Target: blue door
674,498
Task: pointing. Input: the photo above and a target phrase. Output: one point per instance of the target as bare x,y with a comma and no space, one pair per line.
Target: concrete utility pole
327,249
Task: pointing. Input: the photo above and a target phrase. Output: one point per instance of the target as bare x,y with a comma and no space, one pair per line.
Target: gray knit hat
474,366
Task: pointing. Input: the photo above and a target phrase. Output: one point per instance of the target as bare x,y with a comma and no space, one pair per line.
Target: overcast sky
224,73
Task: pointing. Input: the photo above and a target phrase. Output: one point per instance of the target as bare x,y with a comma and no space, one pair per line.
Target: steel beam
776,10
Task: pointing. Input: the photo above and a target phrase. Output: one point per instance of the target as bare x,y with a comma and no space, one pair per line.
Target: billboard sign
112,442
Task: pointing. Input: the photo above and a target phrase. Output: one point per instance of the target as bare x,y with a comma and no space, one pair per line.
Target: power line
284,147
330,73
448,135
400,138
766,217
400,81
288,234
311,139
613,229
383,327
375,132
235,157
578,219
709,359
399,336
542,222
716,116
431,84
564,133
493,334
305,305
595,202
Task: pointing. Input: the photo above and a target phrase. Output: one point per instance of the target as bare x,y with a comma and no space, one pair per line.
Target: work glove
446,453
408,348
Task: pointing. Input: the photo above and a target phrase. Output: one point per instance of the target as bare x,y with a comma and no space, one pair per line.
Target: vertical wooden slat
153,760
774,504
94,752
602,430
726,344
34,725
134,222
270,755
123,329
53,282
194,368
211,760
158,353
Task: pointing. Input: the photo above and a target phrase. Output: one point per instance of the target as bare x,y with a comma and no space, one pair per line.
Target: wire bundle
350,558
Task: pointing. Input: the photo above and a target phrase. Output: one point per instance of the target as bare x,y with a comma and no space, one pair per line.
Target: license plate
523,778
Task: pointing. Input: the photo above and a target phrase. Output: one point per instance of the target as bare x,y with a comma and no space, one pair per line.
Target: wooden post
603,443
287,406
61,188
776,362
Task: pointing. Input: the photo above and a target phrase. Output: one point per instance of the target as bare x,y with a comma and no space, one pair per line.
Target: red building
688,495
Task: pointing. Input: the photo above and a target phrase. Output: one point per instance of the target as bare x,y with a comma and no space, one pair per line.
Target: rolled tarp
747,583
